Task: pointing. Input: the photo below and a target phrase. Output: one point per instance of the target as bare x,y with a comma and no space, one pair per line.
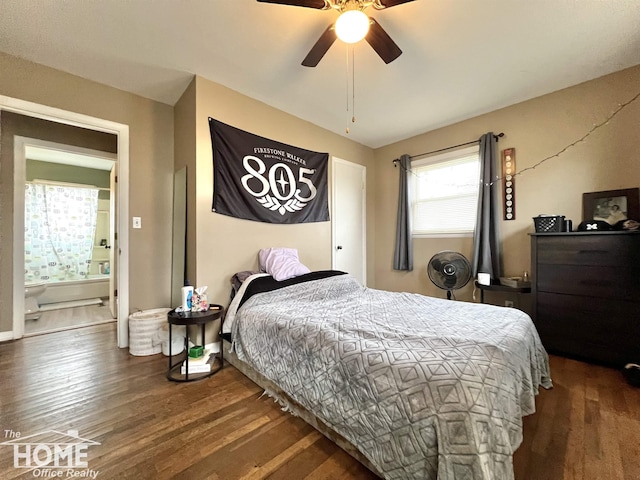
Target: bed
415,387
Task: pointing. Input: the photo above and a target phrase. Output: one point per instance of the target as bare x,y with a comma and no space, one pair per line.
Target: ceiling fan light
352,26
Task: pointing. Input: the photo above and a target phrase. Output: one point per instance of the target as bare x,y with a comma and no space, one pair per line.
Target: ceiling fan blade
319,4
381,42
320,48
389,3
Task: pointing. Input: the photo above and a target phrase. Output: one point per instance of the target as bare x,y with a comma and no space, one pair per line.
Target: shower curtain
60,225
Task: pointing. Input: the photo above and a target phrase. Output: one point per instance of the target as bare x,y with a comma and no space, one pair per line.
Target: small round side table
189,319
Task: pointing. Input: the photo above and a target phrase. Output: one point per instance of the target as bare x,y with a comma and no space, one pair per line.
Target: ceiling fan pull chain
347,88
353,85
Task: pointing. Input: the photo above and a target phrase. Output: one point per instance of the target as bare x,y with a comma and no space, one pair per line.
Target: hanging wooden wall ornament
509,183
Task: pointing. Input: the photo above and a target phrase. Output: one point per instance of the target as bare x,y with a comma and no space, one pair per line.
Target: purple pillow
281,263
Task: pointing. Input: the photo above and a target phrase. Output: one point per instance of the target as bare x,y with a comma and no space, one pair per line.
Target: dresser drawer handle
593,251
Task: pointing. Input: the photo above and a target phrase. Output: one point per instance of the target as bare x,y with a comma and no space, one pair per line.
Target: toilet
31,292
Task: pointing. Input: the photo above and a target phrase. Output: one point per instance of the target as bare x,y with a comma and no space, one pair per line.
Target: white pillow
281,263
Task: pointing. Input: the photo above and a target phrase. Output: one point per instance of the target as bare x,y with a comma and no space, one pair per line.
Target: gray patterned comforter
425,388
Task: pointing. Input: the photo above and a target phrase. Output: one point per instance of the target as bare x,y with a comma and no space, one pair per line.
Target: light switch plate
137,222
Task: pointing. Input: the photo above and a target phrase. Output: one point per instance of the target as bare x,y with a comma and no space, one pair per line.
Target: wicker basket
143,327
548,223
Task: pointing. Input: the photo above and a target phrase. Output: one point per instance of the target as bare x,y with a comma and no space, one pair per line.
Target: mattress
423,388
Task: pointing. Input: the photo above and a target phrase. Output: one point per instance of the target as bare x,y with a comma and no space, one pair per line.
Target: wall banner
266,181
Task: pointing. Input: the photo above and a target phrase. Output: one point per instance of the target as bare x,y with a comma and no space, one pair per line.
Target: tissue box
199,302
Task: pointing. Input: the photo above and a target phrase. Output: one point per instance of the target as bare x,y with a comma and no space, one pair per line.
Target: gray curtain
403,254
486,240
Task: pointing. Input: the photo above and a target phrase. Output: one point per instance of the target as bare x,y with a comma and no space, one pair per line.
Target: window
445,193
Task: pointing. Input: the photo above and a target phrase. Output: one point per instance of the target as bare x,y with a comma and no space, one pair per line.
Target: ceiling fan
350,10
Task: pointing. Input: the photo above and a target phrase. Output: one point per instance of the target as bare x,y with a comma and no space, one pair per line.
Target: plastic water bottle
187,294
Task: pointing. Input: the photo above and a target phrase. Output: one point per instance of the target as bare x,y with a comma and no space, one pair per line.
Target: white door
349,218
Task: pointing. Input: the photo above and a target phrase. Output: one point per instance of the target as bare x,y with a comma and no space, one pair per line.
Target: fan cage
438,273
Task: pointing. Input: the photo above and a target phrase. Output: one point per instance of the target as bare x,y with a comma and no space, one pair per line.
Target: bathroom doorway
87,123
70,201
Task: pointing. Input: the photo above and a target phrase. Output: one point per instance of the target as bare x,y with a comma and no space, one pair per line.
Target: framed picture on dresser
611,206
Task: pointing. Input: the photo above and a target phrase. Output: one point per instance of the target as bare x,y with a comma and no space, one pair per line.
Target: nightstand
189,319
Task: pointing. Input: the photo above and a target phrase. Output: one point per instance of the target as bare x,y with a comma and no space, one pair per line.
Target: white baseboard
6,336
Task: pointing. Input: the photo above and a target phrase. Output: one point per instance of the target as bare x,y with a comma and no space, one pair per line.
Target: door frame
66,117
20,145
363,169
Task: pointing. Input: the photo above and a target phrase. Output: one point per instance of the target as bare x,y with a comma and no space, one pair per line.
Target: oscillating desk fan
449,270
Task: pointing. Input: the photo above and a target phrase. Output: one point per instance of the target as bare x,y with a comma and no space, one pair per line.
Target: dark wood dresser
586,289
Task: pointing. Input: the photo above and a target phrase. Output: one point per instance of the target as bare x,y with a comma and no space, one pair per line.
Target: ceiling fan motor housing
376,36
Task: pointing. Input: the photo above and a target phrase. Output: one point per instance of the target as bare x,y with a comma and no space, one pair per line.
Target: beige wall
150,172
218,246
539,128
40,170
226,245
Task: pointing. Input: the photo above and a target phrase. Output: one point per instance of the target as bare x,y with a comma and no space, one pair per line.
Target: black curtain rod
501,134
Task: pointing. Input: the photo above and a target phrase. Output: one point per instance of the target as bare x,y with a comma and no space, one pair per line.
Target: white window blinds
445,193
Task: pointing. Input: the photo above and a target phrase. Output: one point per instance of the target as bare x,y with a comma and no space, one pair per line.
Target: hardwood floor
586,428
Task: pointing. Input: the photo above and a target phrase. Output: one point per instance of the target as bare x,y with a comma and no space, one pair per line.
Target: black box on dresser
586,294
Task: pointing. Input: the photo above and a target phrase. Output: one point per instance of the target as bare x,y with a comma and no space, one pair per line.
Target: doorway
73,185
121,131
348,226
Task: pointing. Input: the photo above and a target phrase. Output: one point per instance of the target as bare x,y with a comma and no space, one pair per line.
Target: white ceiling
461,58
